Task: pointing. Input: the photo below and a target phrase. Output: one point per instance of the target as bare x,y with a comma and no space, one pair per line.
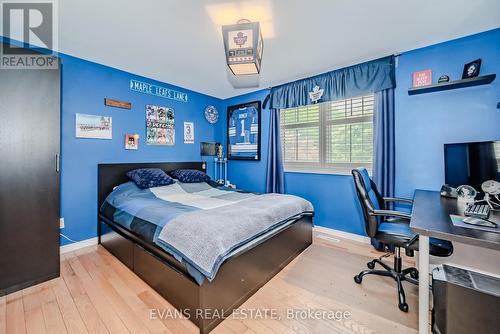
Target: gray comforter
206,237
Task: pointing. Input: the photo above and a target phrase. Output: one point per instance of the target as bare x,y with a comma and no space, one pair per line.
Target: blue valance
357,80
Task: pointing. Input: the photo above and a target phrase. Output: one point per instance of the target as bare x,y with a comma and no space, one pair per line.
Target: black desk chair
391,228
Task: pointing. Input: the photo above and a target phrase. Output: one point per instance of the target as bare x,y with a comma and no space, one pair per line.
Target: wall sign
93,126
422,78
117,104
188,133
146,88
160,125
243,131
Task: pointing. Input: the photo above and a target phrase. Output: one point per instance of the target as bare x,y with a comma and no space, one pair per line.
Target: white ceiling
179,42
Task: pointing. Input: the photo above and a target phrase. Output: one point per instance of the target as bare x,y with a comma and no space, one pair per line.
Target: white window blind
333,136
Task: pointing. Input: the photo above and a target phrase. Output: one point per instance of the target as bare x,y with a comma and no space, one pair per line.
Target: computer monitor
472,163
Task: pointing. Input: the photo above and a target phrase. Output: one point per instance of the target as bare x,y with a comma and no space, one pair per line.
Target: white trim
77,245
342,234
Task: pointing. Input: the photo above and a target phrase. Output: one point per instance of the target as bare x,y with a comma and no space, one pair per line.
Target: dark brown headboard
112,175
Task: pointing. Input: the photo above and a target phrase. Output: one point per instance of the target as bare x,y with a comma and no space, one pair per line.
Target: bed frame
237,279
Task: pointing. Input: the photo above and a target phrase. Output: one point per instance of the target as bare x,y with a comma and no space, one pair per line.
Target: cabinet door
29,179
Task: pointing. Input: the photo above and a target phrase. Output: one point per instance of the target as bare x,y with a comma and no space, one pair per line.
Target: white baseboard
77,245
346,235
342,234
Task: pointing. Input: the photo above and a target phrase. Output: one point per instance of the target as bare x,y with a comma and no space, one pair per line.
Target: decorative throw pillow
189,175
150,177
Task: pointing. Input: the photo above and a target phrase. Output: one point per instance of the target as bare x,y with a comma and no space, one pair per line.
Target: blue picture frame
243,131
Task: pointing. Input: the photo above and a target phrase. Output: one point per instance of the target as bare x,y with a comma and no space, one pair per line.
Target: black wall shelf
482,80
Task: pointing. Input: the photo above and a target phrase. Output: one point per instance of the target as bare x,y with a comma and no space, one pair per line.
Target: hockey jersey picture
243,132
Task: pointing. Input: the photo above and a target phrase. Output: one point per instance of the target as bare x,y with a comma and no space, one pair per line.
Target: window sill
327,171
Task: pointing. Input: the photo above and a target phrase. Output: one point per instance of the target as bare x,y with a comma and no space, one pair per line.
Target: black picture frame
475,73
230,111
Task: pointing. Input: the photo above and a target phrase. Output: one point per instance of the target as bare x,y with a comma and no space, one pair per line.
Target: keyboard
480,211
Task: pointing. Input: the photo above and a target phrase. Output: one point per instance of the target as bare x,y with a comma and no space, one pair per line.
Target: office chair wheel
358,279
403,307
414,274
371,264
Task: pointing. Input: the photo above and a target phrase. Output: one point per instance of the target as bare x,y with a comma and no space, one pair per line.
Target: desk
430,218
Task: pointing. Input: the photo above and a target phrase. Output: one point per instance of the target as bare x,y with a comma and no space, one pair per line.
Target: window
333,136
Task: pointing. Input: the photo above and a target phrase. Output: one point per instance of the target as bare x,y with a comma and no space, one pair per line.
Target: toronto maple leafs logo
316,94
471,70
240,39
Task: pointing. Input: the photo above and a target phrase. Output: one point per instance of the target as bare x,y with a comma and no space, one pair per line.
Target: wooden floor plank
72,319
14,314
88,313
33,314
54,322
127,315
173,324
147,295
3,320
230,326
106,312
130,296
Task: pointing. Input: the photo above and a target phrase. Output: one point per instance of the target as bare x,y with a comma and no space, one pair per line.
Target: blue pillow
149,177
189,175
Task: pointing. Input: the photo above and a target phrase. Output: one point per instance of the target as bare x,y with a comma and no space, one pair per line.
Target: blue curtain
384,160
275,177
384,164
357,80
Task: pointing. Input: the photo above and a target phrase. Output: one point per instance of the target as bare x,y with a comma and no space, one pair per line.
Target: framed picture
132,141
188,133
243,131
160,125
471,70
93,126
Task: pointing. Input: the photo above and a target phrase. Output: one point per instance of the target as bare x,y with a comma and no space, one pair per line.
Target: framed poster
132,141
243,131
93,126
160,125
188,133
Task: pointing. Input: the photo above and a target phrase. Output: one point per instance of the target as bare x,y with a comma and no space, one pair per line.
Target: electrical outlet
61,223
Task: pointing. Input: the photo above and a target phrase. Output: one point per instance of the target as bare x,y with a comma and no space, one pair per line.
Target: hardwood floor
97,294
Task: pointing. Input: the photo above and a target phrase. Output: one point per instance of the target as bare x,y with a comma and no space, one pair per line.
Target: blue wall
84,87
423,124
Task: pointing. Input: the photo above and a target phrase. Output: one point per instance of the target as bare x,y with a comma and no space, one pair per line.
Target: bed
186,286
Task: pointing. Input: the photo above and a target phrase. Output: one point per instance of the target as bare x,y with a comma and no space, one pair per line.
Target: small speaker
448,191
207,148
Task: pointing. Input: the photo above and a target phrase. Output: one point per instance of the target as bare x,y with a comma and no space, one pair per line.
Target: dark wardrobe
29,177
